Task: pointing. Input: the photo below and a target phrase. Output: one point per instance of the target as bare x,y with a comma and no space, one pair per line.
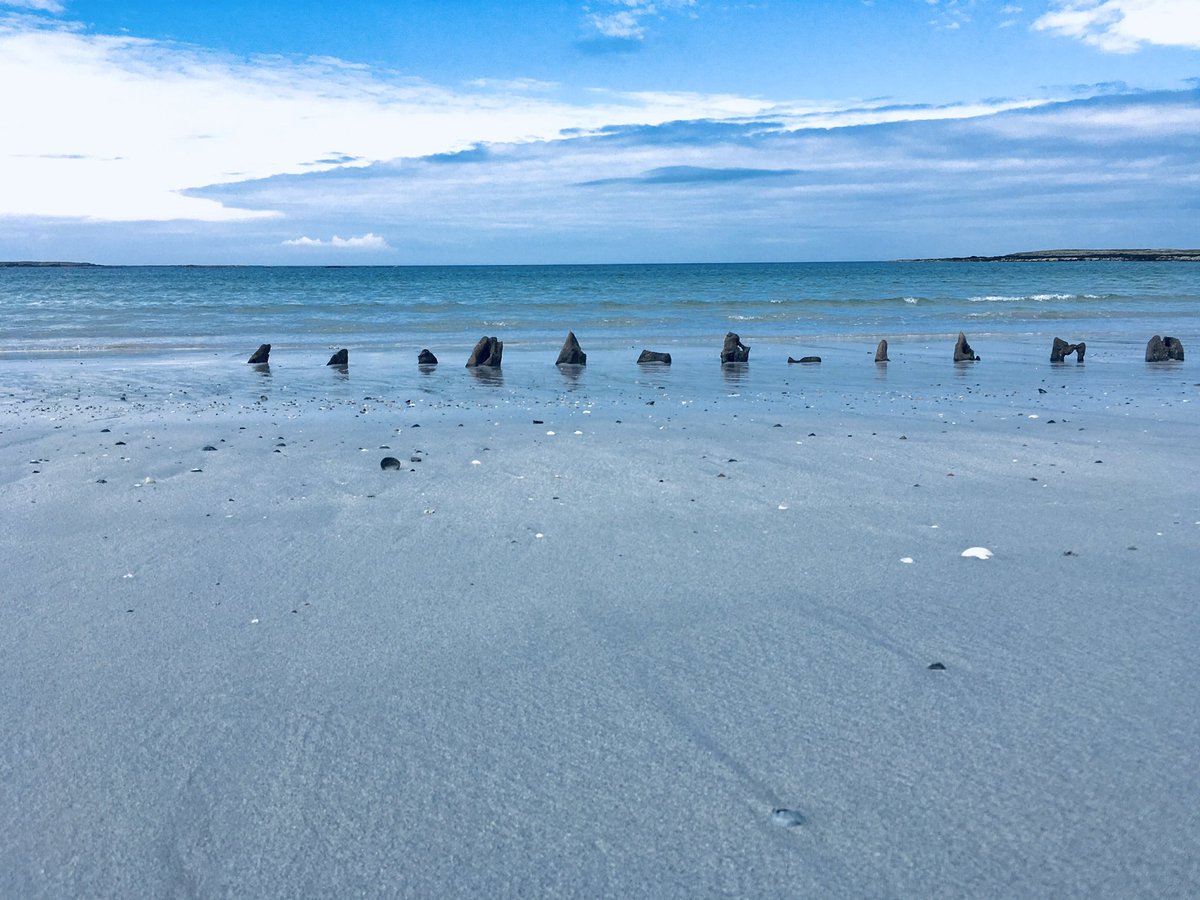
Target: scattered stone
261,356
415,459
804,359
977,553
937,667
426,358
881,352
1161,349
341,358
787,818
571,353
101,481
734,351
1042,390
963,351
208,448
653,356
389,462
487,352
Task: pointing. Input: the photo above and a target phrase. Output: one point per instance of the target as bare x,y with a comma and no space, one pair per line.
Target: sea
200,317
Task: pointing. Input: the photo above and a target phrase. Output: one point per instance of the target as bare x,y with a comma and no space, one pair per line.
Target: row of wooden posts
489,352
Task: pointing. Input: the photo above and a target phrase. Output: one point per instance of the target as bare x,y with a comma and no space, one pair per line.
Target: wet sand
621,632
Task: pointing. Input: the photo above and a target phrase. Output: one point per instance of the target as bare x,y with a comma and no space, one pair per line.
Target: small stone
426,358
787,818
937,667
389,462
208,448
261,356
341,358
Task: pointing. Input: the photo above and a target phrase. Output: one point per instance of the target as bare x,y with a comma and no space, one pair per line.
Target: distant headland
36,264
1079,256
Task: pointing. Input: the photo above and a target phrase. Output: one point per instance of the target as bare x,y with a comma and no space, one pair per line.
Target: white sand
597,663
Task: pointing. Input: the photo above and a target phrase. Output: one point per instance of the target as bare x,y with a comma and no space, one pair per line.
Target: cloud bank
1113,170
368,241
1124,26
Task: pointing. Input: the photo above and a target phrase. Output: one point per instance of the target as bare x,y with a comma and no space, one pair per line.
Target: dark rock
208,447
341,358
261,355
805,359
653,356
389,462
938,667
734,350
1161,349
963,351
1061,349
571,353
881,352
425,358
487,352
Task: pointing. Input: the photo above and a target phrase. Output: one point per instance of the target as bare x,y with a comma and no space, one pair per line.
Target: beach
617,631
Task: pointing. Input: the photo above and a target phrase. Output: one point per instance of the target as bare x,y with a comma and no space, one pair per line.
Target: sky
490,132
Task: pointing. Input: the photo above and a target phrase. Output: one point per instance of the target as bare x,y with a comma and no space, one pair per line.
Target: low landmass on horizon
1140,255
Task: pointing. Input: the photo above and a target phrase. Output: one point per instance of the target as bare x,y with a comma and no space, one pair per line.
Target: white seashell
977,553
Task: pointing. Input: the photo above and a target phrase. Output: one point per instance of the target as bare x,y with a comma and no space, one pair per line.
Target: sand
629,632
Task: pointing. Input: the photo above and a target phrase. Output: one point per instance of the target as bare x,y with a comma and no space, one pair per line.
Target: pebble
787,818
937,667
389,462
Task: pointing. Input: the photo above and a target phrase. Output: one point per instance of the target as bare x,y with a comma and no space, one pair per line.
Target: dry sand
634,633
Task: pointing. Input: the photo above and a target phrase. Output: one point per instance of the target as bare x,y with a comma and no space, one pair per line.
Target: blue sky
481,131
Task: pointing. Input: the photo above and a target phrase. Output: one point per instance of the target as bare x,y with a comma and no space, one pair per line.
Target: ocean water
163,330
157,310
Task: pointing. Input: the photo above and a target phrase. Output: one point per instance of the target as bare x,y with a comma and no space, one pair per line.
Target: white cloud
368,241
625,19
50,6
139,125
1123,26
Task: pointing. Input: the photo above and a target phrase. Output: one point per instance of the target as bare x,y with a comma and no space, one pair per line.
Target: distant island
35,264
1079,256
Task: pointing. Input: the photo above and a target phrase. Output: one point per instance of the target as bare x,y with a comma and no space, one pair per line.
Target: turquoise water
166,310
